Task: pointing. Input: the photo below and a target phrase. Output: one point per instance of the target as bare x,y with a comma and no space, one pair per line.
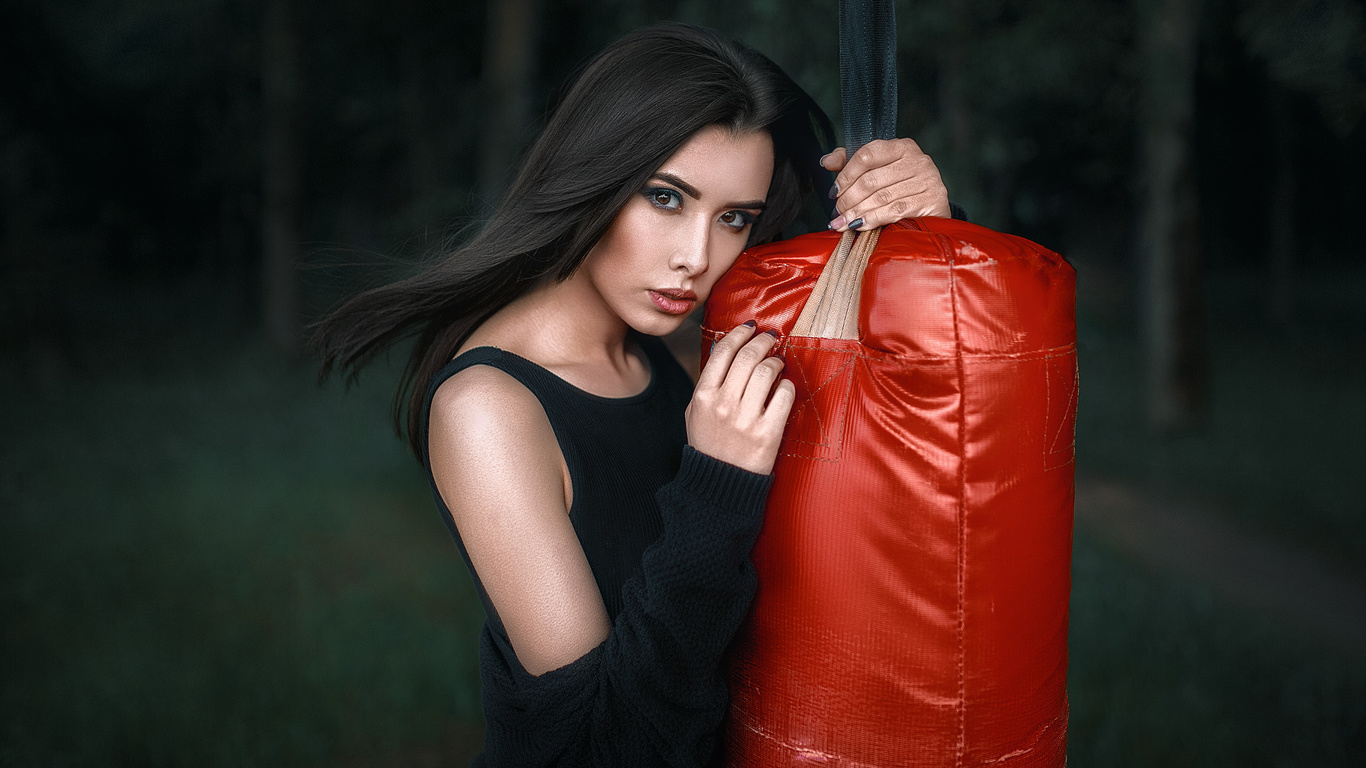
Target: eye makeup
742,220
663,198
671,200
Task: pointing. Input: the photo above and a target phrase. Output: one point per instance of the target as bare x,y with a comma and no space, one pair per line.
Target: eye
664,198
737,220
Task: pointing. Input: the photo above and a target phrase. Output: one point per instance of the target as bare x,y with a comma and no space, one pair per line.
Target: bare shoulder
487,429
499,469
481,401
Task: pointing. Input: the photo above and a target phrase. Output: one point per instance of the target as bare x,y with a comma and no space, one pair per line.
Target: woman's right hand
740,404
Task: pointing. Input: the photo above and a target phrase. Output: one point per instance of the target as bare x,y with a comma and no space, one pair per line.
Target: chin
660,324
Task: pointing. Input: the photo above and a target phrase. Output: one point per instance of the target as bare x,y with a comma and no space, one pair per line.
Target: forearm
652,693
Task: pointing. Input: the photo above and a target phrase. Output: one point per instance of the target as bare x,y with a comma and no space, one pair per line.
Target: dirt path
1282,578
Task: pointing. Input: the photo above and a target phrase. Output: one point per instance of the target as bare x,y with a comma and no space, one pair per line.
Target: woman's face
671,242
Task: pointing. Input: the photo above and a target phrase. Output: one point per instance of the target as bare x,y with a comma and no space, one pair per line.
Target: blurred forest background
207,559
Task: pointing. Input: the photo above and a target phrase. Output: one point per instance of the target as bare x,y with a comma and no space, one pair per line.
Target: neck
564,323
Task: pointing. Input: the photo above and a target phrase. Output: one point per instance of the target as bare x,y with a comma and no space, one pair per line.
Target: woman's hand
740,405
885,181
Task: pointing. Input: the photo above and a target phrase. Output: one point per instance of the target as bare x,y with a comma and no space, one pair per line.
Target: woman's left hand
886,181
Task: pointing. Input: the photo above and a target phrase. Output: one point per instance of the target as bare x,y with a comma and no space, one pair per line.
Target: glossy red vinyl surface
914,566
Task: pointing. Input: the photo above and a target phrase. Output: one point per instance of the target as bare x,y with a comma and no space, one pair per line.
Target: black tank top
619,451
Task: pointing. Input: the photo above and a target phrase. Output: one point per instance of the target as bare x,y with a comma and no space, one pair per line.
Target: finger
760,386
742,366
902,209
913,188
722,353
904,199
780,405
873,155
835,160
869,179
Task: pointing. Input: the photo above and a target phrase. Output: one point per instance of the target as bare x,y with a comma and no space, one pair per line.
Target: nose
691,252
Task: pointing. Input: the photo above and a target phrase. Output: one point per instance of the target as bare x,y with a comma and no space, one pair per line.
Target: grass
207,560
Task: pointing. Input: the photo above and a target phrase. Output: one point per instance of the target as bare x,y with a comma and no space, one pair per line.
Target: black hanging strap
867,71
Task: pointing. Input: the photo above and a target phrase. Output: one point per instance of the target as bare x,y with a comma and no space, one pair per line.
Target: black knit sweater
671,563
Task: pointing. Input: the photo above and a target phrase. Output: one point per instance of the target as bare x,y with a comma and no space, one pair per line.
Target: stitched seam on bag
834,443
811,401
910,361
1051,444
962,503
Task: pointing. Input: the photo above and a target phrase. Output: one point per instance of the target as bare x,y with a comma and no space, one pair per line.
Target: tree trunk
1280,263
1353,196
280,90
509,66
1170,234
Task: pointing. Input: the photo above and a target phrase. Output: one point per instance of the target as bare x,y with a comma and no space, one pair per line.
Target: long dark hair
629,110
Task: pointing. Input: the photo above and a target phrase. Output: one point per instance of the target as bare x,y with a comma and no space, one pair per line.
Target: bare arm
500,472
499,469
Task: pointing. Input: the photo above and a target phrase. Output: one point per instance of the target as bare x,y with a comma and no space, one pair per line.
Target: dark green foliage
205,560
1280,448
1163,672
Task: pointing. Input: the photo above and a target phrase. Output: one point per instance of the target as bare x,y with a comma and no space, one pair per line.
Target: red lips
674,301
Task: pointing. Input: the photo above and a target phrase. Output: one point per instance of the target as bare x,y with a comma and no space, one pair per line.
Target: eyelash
676,201
746,220
652,194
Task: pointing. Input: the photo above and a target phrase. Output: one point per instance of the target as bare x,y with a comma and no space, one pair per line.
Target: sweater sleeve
652,693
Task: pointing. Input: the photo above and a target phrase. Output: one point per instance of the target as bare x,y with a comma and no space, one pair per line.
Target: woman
604,507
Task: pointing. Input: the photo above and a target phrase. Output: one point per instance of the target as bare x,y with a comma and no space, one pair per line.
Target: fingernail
750,323
825,157
837,223
834,189
772,333
856,223
834,212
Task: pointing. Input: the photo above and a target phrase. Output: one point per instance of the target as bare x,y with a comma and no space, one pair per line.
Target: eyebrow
691,191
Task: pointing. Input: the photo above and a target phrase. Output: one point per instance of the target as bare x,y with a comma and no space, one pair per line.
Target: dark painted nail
750,323
772,333
834,212
834,191
856,223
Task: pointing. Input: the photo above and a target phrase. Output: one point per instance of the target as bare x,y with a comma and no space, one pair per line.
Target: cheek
618,249
720,265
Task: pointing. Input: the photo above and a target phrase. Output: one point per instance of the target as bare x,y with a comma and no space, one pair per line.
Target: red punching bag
914,565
